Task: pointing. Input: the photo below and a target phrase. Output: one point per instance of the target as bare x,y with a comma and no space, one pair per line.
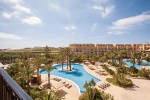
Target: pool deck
72,92
140,91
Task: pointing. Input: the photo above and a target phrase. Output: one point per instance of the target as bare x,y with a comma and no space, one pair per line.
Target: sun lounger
63,82
69,86
104,85
66,85
59,80
107,84
54,78
100,86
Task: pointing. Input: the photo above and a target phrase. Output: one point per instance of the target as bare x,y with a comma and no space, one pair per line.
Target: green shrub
133,75
122,70
92,93
120,81
110,80
109,62
144,73
95,94
133,69
110,71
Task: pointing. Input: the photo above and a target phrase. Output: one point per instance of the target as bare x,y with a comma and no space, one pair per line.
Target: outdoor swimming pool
128,63
79,76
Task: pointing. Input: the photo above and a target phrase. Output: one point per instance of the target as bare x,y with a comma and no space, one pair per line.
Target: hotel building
99,49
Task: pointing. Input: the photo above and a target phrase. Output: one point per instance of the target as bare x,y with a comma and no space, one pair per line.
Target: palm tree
46,50
120,56
28,72
48,67
37,62
139,57
69,56
144,72
133,57
61,56
51,95
14,70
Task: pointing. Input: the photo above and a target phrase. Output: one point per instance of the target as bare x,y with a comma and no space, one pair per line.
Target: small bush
133,69
120,81
95,94
110,71
133,75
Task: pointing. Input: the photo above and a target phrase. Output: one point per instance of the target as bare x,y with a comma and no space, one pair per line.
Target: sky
58,23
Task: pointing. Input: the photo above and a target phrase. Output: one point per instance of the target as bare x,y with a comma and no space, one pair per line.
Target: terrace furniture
66,85
59,79
101,86
69,86
63,82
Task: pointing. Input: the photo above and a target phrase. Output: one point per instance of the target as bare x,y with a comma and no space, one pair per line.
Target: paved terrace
140,91
72,93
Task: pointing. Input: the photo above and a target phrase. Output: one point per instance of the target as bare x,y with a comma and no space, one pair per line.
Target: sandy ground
140,91
69,94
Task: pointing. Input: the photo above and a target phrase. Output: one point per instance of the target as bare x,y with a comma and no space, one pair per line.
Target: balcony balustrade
9,89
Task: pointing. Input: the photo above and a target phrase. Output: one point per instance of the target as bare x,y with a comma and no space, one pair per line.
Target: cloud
18,11
126,23
12,1
10,36
116,32
70,28
6,15
103,7
104,11
32,20
22,9
129,23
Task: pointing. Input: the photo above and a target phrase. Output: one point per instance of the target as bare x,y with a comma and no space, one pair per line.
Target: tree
37,62
133,70
52,95
38,94
46,50
69,56
122,70
144,73
139,58
103,59
62,56
14,70
24,71
28,72
120,55
92,93
48,67
133,57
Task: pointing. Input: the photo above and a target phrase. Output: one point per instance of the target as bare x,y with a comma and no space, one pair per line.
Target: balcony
9,89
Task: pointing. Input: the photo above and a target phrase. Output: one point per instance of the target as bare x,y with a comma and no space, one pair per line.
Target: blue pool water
79,76
128,63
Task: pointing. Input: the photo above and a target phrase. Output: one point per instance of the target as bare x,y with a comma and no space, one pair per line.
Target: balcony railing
9,89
